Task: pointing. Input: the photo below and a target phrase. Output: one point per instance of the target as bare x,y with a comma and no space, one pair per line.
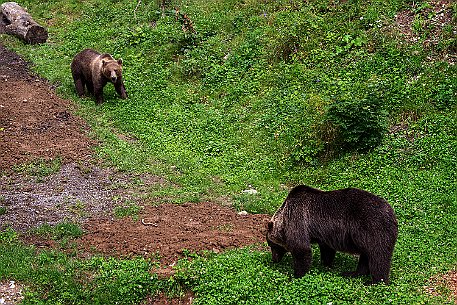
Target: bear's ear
270,225
104,62
119,61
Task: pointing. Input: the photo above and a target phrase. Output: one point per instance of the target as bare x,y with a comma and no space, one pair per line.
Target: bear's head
274,241
112,69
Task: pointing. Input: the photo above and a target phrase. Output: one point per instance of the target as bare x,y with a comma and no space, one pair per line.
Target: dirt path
35,124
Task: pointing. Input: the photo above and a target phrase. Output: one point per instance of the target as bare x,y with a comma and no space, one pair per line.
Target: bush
345,126
359,124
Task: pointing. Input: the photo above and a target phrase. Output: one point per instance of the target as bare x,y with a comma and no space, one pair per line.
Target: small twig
137,5
149,223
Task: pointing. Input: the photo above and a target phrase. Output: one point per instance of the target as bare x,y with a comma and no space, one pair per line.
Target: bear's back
346,203
83,61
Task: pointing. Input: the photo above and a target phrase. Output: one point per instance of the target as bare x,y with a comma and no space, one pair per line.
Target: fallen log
19,23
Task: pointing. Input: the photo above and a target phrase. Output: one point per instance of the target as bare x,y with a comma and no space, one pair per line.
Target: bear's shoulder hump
106,56
303,189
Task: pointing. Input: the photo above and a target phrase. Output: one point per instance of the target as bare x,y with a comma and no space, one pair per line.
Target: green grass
55,278
248,277
39,168
59,231
267,95
127,209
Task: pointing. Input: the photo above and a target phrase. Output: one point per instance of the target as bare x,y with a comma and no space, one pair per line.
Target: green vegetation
249,277
40,168
268,94
59,231
127,209
55,278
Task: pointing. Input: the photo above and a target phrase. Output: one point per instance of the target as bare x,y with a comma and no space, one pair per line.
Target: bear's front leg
90,87
98,89
277,252
302,261
120,89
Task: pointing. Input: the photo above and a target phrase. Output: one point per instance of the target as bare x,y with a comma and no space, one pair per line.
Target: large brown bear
93,70
348,220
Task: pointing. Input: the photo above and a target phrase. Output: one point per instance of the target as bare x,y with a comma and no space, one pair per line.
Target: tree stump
19,23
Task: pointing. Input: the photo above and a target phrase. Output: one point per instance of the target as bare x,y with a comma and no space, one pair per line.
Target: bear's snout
276,257
113,76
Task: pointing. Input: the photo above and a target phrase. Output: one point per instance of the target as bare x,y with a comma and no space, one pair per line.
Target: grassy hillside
227,95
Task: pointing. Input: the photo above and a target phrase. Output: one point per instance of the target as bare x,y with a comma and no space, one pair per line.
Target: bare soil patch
34,122
10,293
169,232
443,282
427,22
76,193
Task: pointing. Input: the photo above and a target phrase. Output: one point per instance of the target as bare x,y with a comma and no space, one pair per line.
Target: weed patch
40,168
59,231
53,277
127,210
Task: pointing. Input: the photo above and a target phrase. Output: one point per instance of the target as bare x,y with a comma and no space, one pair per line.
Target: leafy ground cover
229,95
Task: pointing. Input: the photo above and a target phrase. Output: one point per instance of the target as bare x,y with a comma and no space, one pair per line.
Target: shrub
359,124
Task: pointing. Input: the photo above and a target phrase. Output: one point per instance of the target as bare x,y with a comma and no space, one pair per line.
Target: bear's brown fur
348,220
94,70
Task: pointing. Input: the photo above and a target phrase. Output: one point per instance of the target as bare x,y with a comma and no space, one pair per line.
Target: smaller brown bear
348,220
94,70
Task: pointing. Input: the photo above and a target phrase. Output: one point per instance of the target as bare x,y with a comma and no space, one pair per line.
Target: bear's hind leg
79,87
379,269
362,267
79,84
327,254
